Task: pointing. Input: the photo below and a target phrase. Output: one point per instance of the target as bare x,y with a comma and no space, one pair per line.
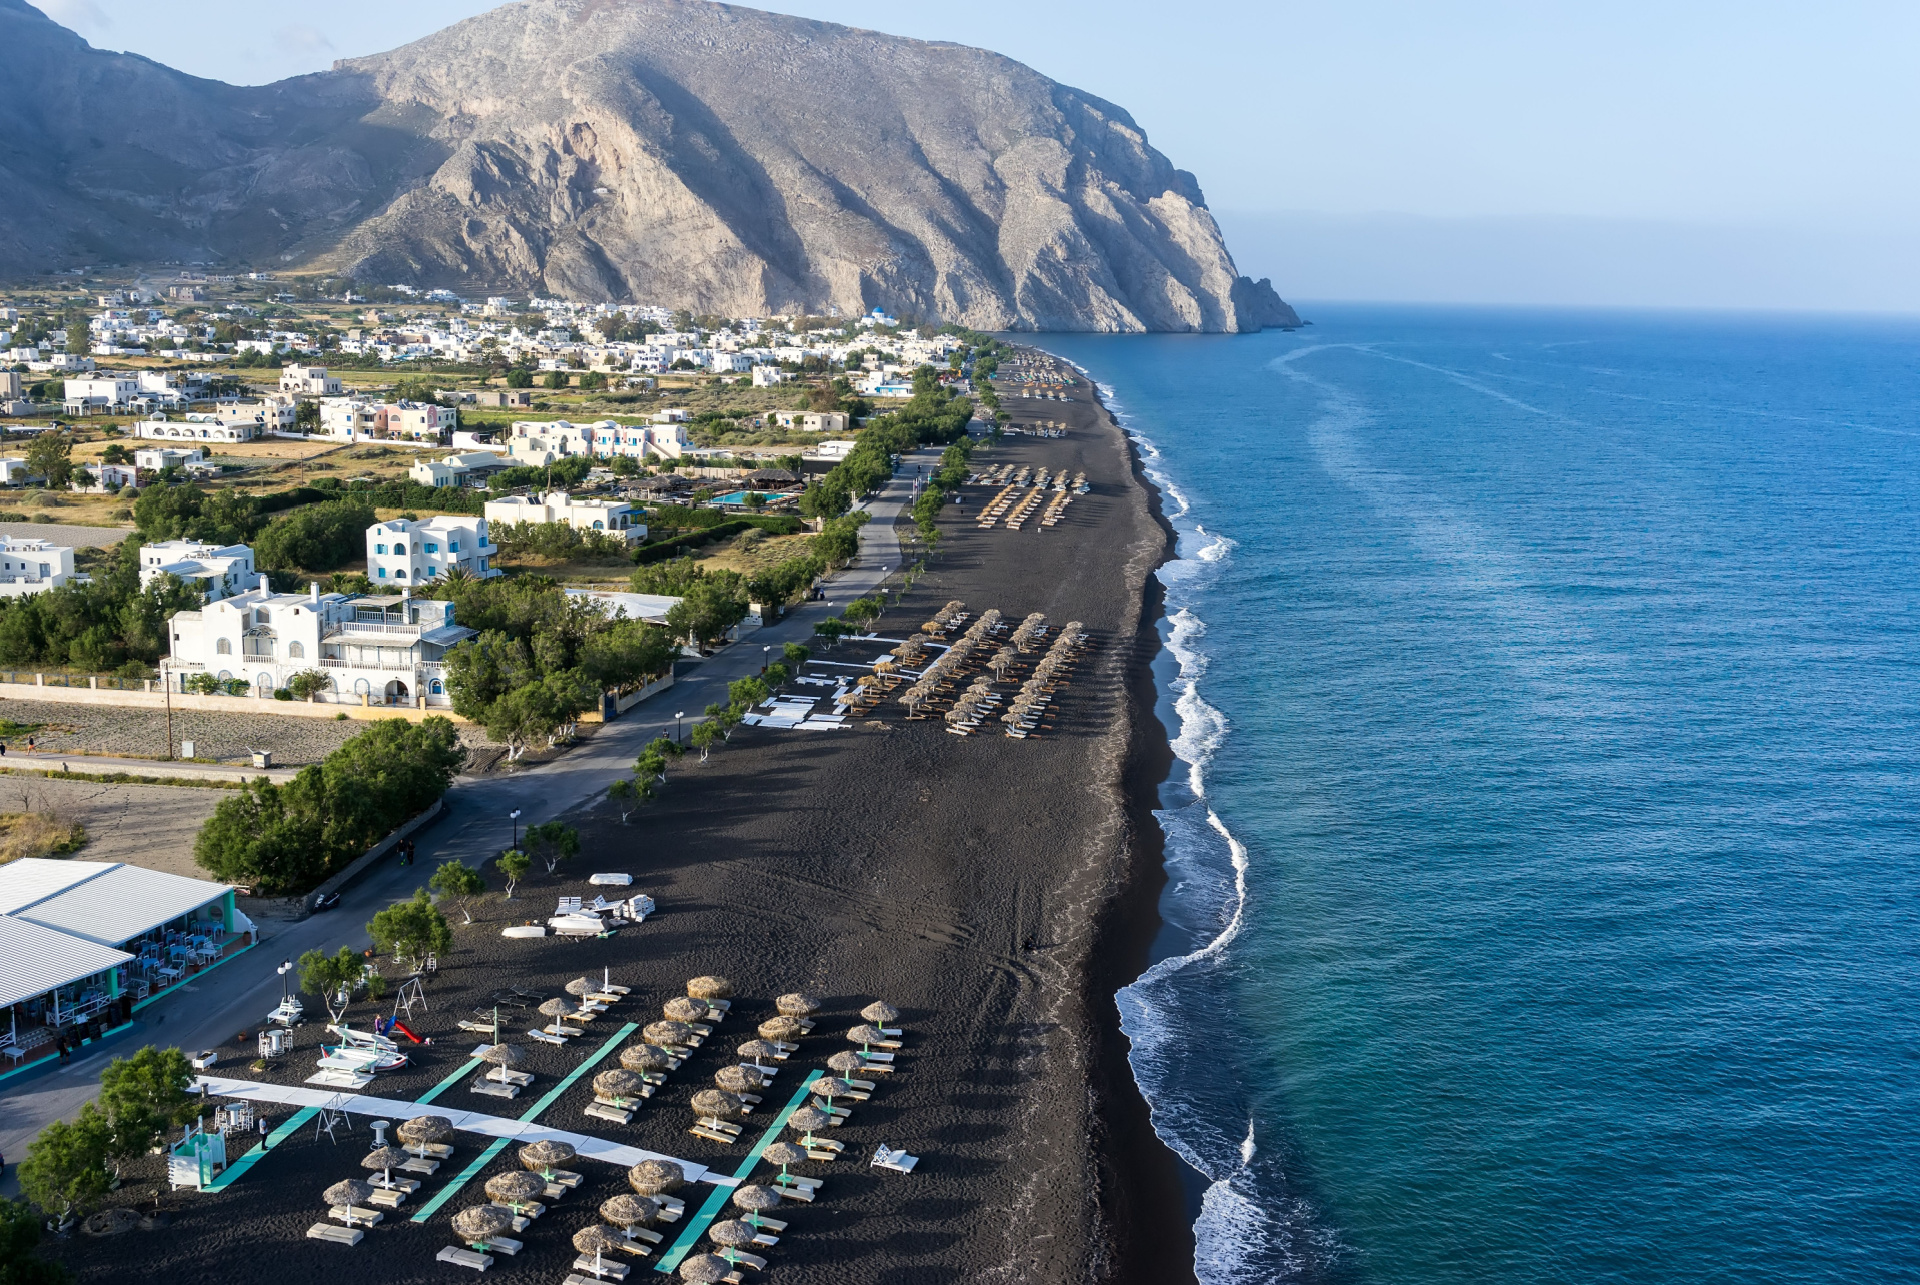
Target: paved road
237,996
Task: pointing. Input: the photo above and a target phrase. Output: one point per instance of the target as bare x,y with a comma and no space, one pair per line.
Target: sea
1541,849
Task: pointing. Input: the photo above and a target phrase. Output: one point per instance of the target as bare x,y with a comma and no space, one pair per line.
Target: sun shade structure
738,1079
515,1187
667,1034
349,1191
596,1239
758,1049
656,1177
683,1009
806,1120
645,1057
880,1014
710,988
424,1129
781,1028
481,1221
797,1005
616,1083
543,1155
717,1104
846,1061
704,1269
781,1153
830,1088
732,1234
580,986
629,1211
384,1159
504,1055
865,1035
557,1008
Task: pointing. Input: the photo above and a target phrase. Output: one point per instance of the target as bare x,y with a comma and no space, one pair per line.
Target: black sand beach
997,891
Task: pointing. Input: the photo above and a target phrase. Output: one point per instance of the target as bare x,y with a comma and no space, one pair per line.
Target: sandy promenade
992,889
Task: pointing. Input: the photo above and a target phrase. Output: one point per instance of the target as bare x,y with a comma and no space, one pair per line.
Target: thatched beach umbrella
708,987
684,1008
797,1005
738,1079
846,1061
717,1104
781,1153
346,1193
618,1083
384,1159
475,1225
755,1199
783,1029
629,1211
645,1057
515,1188
504,1058
596,1240
656,1177
732,1235
667,1034
422,1130
543,1155
580,986
704,1269
881,1013
756,1050
827,1088
806,1120
865,1036
557,1009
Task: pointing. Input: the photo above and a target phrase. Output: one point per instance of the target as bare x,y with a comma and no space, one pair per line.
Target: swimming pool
740,497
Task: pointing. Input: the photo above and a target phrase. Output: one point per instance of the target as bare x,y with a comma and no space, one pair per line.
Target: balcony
374,629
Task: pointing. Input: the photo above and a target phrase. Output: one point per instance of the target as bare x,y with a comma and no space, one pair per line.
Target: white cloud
297,40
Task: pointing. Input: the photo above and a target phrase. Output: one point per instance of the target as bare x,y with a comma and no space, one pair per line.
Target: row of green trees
71,1165
543,658
557,540
935,414
282,839
947,477
108,625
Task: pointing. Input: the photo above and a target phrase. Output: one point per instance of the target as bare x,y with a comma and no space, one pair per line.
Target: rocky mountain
673,151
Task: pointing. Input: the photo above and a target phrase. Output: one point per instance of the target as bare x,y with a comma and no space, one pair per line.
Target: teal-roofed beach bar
85,943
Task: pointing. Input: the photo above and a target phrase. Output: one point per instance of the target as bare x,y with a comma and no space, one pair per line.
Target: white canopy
35,960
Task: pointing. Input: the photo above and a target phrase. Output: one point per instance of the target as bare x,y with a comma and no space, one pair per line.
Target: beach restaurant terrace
83,942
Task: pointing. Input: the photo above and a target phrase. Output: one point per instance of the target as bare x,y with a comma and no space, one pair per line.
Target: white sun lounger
338,1235
464,1258
611,880
546,1037
503,1245
898,1161
608,1269
495,1089
335,1078
601,1111
352,1215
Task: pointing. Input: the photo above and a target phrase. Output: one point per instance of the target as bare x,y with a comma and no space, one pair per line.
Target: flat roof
35,960
113,904
33,879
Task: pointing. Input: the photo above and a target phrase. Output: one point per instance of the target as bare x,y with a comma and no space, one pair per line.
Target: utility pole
166,682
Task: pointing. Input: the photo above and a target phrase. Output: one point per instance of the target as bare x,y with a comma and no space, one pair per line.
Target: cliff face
672,151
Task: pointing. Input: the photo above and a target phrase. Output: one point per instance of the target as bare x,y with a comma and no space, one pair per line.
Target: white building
813,421
350,419
312,381
768,376
456,470
218,571
28,566
581,514
101,478
380,650
100,392
155,458
538,442
199,428
13,471
404,554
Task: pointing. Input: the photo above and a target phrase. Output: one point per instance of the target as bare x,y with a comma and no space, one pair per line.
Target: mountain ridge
675,151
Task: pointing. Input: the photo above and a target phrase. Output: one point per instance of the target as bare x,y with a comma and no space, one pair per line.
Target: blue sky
1710,154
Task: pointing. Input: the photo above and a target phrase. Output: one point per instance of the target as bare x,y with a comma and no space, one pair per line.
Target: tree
556,379
709,608
19,1233
458,883
553,843
309,682
861,611
114,454
513,864
410,930
519,377
796,655
144,1096
332,977
51,457
703,736
624,796
316,537
66,1166
745,693
832,628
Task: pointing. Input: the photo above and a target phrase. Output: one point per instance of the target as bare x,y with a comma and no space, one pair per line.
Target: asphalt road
237,996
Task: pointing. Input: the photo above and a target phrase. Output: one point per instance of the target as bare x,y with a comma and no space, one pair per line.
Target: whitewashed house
582,514
404,554
92,393
219,571
99,479
198,428
155,458
311,381
380,650
456,470
29,566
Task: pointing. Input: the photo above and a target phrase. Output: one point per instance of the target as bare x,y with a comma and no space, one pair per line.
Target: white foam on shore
1231,1220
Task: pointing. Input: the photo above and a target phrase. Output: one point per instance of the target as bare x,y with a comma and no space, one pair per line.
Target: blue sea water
1542,853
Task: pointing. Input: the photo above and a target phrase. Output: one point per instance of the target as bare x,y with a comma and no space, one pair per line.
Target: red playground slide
401,1028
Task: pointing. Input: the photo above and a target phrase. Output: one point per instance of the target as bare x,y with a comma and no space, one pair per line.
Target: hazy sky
1699,153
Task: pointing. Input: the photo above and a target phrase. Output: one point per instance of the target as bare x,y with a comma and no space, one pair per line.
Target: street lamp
514,818
763,658
677,716
286,966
